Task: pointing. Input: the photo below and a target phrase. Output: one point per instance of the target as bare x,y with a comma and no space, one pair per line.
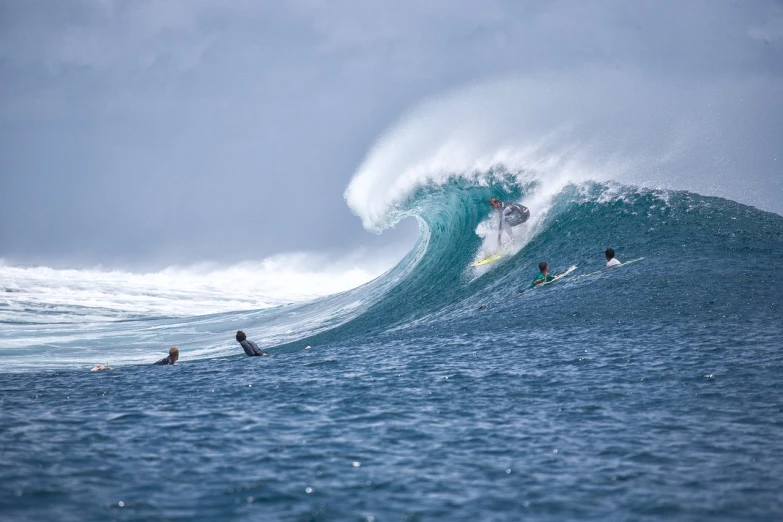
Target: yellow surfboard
487,260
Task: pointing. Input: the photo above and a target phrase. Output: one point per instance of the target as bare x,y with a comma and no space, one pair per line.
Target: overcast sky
149,132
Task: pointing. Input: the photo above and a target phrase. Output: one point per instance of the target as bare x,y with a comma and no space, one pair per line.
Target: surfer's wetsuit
251,349
542,276
511,215
166,360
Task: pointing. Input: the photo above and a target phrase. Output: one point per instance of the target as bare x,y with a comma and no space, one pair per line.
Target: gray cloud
157,132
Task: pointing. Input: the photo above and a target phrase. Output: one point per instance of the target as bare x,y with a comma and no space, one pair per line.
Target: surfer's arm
539,281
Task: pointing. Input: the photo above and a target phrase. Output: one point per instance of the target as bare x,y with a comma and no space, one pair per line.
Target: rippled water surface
560,425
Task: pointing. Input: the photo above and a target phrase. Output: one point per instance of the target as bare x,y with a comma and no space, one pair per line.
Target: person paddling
543,275
610,259
171,359
250,348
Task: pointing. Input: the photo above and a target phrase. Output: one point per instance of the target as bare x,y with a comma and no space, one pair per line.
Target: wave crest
554,130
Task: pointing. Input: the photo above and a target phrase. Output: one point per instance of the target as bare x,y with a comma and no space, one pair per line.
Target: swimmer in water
171,359
610,259
250,348
543,275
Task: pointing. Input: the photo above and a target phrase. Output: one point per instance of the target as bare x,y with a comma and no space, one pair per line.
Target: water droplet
554,450
356,464
308,490
121,503
250,500
508,471
249,385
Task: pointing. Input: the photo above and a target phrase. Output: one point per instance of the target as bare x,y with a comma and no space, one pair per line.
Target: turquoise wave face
704,258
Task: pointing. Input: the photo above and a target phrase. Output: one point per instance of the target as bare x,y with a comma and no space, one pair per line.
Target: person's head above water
542,266
241,336
495,203
609,253
174,352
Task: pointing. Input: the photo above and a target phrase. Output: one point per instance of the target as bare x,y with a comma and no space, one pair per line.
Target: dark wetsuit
251,349
511,215
166,360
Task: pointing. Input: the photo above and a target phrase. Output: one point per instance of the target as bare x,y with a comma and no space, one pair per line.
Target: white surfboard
560,276
610,268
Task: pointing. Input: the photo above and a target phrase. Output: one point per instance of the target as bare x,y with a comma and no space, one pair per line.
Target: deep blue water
645,392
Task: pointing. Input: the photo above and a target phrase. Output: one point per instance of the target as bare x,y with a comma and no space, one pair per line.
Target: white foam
89,295
464,135
551,130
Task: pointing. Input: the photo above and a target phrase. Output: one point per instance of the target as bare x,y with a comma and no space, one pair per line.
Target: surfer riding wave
511,215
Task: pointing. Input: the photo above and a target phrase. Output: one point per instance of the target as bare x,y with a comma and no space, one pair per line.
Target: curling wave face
690,244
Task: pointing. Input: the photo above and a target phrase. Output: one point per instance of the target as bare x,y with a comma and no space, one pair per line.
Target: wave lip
553,130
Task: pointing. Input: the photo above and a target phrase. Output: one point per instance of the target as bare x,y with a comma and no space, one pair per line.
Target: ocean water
650,391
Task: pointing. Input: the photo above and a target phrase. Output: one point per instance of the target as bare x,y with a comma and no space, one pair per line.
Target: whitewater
416,387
